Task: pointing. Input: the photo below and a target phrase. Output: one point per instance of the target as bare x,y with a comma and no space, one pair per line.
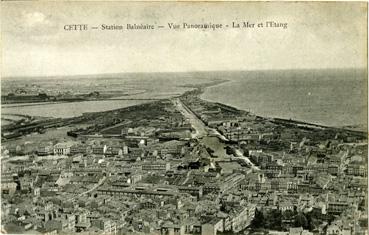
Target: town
185,166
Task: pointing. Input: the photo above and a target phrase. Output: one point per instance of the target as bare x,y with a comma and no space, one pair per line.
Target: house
44,150
211,227
114,151
99,149
156,166
285,206
8,186
173,147
125,149
357,169
107,226
337,228
239,219
16,150
62,148
79,149
194,191
337,207
61,224
83,222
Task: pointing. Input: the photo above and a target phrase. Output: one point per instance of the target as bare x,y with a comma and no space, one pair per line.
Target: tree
362,205
258,220
301,221
43,96
273,220
313,218
288,214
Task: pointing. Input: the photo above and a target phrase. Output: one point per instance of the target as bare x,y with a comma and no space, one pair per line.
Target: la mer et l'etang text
176,26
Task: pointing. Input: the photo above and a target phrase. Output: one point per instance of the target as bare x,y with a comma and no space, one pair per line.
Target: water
150,86
71,109
328,97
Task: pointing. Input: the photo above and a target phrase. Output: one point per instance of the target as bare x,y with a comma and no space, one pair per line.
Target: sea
331,97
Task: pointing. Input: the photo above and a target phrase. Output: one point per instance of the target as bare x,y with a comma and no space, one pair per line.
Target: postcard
180,117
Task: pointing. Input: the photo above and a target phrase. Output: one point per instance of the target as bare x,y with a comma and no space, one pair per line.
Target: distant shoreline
276,119
360,127
9,78
201,89
62,102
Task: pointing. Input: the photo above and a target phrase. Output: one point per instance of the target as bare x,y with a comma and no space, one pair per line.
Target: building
238,220
172,229
125,149
357,169
156,166
231,181
99,149
44,150
65,223
107,226
285,206
62,148
211,227
337,207
79,149
113,151
194,191
8,186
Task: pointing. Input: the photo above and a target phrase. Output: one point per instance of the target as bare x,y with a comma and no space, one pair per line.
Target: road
239,155
216,133
203,130
197,124
90,190
187,178
94,187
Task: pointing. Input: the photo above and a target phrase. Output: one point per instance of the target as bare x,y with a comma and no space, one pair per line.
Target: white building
62,148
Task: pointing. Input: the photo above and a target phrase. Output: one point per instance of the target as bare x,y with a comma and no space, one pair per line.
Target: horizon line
169,72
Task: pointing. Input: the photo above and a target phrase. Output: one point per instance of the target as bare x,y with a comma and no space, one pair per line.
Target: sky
319,35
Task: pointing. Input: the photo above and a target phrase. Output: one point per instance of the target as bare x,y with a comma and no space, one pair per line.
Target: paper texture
183,117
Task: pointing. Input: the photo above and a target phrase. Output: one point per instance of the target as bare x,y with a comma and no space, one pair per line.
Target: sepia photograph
184,118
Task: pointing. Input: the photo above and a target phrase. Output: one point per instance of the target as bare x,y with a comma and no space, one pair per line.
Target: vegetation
282,221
